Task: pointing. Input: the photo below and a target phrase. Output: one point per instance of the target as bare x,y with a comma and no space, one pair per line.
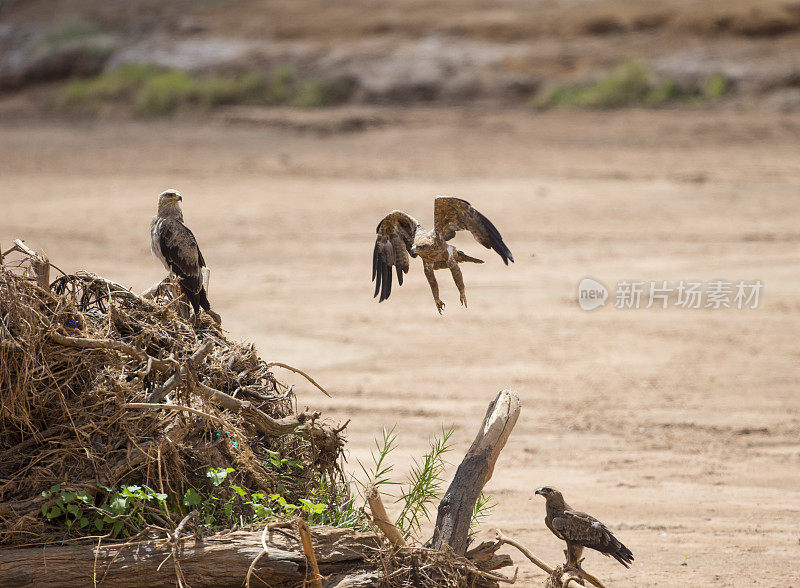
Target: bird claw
439,306
464,299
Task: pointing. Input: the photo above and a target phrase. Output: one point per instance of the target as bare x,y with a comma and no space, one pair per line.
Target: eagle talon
464,300
439,306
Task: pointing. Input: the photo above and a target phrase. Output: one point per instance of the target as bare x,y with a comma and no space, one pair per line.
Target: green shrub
151,91
630,84
69,30
318,92
715,87
163,92
281,86
243,89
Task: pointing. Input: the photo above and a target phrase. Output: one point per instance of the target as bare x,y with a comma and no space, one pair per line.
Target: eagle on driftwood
175,246
580,530
400,234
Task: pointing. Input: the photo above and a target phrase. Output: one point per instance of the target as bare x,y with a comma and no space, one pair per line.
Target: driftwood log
220,561
455,509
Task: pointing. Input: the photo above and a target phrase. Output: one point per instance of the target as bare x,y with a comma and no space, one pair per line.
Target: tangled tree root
81,364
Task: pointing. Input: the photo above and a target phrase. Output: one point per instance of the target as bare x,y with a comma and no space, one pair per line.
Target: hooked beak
413,251
539,491
180,198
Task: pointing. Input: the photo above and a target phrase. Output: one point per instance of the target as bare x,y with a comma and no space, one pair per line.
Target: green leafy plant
126,510
483,508
424,485
378,474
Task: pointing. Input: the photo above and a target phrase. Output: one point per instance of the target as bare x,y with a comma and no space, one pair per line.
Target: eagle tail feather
622,554
196,297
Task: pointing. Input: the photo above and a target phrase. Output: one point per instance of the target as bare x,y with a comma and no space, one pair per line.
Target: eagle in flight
175,246
580,530
401,235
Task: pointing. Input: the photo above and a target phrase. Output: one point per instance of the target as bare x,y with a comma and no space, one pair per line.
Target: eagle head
170,195
551,495
423,242
168,204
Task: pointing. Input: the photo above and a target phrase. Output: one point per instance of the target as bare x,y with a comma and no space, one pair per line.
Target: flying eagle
399,235
175,246
580,530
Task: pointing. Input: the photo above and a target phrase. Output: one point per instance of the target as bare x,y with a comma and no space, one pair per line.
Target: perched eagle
399,235
175,246
580,530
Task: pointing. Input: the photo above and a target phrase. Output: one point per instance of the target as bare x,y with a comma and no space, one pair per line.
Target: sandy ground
680,429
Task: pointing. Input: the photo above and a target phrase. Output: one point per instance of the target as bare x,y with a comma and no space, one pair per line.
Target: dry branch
161,365
502,539
304,424
174,380
308,549
297,371
381,518
455,509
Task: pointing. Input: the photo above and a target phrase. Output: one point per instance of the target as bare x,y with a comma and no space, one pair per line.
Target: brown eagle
580,530
401,235
175,246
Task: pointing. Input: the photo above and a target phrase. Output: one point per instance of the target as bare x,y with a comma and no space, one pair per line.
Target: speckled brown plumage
174,245
580,530
401,235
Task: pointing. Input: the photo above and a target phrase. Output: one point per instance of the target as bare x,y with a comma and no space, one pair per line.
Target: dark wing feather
578,527
180,250
392,248
454,214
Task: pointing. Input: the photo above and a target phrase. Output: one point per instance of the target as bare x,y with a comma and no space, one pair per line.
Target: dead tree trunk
219,561
455,510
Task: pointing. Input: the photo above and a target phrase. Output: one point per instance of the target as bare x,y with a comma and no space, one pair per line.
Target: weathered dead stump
455,509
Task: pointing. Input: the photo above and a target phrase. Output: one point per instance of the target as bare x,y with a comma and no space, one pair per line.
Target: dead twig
197,357
502,539
39,262
174,407
308,549
160,365
297,371
381,518
499,577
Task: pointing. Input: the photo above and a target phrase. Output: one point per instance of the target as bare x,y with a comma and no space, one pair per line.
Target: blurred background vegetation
147,58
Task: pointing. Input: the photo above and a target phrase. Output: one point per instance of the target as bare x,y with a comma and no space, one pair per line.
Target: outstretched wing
180,250
453,214
578,527
392,248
